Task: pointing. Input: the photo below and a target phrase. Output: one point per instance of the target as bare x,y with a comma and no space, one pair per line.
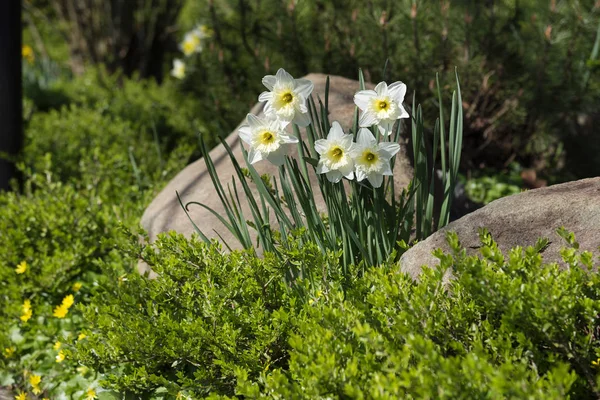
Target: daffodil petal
365,138
284,78
321,146
363,98
397,91
381,89
336,131
265,96
269,81
367,119
389,149
304,87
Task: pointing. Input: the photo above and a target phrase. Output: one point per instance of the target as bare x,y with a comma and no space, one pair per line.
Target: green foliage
227,325
488,186
58,231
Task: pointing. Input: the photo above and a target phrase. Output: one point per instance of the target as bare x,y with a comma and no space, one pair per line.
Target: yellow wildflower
27,53
68,301
62,310
596,363
60,357
81,336
21,396
9,351
35,380
90,394
57,345
21,267
77,286
27,312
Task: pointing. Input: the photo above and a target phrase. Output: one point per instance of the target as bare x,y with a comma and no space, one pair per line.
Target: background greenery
101,142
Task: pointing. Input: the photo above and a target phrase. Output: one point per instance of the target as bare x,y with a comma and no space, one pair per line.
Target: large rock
519,220
194,184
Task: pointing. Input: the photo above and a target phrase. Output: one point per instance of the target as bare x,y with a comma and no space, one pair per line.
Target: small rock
519,220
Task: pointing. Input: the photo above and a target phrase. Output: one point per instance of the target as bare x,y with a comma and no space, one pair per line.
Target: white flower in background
178,70
372,159
286,99
337,153
192,43
267,139
382,106
202,32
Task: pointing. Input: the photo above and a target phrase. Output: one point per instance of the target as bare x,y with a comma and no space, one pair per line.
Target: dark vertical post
11,118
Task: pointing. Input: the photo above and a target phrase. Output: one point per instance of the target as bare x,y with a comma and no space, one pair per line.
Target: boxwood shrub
235,326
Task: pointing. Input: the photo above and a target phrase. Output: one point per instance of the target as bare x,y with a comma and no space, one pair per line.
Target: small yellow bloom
27,53
35,380
27,312
21,267
57,345
68,301
9,351
21,396
60,311
81,336
90,394
83,370
77,286
60,357
596,363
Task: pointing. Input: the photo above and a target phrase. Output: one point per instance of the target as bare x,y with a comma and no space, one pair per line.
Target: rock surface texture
521,219
194,184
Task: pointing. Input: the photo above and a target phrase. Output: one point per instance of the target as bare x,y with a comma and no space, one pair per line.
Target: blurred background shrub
529,68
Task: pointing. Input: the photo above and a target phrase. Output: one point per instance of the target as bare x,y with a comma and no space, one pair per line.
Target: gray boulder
194,184
519,220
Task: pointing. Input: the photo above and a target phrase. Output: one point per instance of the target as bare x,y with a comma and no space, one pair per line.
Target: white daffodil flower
267,139
178,70
286,99
372,159
192,43
382,106
337,154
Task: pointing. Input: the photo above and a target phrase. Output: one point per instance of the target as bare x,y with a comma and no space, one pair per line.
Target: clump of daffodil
372,159
34,381
286,98
337,154
178,70
62,310
267,139
21,267
27,311
382,106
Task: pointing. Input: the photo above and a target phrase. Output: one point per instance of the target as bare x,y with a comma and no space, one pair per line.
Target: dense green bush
227,325
61,234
